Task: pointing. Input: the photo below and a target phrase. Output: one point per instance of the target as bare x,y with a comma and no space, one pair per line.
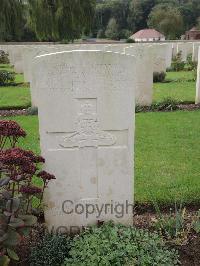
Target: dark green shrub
119,245
159,76
177,63
100,34
130,40
3,57
50,251
168,104
32,111
6,78
192,66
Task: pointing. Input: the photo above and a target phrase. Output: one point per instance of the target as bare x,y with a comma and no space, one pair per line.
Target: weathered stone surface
144,89
86,118
159,57
185,49
195,50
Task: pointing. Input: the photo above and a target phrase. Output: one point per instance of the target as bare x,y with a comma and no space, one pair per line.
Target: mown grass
167,155
181,87
13,97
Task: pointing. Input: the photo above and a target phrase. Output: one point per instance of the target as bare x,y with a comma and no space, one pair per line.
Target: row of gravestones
86,122
151,58
86,109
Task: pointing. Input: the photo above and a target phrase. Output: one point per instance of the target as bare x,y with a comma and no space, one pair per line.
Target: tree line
45,20
118,19
67,20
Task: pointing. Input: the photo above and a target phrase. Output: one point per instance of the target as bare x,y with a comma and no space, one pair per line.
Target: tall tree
106,10
138,13
61,19
112,30
11,20
167,19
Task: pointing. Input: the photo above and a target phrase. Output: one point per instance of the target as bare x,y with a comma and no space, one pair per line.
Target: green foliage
168,104
163,18
4,261
174,227
130,40
100,34
11,20
61,19
196,223
3,57
50,251
118,245
112,31
159,76
6,78
18,168
177,63
192,66
32,111
139,11
106,10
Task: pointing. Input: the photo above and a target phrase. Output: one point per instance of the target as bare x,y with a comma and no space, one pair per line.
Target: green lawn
181,87
167,155
14,96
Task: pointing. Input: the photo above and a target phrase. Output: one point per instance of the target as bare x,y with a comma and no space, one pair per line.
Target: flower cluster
18,168
30,190
19,161
10,128
45,176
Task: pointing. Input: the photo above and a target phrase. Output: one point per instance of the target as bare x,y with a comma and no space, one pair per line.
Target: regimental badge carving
88,132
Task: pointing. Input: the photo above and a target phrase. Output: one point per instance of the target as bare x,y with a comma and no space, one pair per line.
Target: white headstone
144,89
17,58
28,58
186,49
86,118
159,57
174,49
195,51
168,55
197,101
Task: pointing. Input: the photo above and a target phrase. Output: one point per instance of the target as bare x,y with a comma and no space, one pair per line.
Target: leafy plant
177,63
50,251
173,226
192,66
168,104
3,57
32,111
17,169
129,40
159,76
6,77
196,223
119,245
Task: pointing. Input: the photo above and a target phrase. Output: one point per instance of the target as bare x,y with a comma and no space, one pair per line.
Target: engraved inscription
88,132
